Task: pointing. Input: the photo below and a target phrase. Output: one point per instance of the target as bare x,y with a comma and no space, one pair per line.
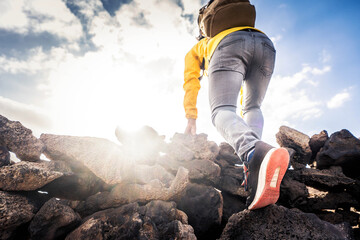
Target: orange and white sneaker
264,173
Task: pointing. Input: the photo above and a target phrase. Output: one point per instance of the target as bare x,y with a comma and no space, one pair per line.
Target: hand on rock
191,127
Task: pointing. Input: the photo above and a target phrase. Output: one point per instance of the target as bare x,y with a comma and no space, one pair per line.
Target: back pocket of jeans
268,59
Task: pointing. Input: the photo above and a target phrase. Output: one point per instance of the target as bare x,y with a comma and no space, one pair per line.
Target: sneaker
264,173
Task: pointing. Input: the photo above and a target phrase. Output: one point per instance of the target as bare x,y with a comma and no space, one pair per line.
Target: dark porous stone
291,138
15,211
204,207
77,186
96,202
232,204
317,141
328,179
27,176
342,149
54,220
4,156
228,153
185,147
277,222
155,220
293,193
19,140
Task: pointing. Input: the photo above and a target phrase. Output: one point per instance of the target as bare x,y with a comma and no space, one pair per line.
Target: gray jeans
242,57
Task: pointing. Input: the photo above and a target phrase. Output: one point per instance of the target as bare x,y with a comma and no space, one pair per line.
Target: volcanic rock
232,204
15,210
227,152
342,149
156,220
293,193
27,176
204,207
146,139
319,200
54,220
277,222
317,141
19,140
4,156
291,138
154,189
185,147
328,179
202,171
101,156
77,186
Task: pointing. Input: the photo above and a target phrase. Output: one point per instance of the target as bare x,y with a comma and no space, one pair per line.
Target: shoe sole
271,173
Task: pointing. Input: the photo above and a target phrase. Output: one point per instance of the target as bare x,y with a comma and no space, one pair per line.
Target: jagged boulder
154,189
277,222
194,153
317,141
104,158
101,156
200,170
146,139
77,186
19,140
4,156
232,173
126,193
27,176
188,147
54,220
293,193
320,200
328,179
204,207
155,220
232,204
15,210
342,149
291,138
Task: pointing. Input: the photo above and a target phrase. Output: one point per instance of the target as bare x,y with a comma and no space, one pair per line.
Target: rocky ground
190,188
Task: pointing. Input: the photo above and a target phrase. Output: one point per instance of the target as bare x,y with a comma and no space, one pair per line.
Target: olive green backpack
219,15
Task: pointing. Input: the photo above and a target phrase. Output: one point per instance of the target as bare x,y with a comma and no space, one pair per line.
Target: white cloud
288,101
339,99
38,61
30,116
12,15
40,16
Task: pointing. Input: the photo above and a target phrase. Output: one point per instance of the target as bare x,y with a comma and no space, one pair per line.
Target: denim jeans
242,57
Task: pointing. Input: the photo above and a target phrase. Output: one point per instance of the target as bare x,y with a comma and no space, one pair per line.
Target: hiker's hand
191,127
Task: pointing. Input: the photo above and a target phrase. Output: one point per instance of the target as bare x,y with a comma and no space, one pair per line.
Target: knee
215,112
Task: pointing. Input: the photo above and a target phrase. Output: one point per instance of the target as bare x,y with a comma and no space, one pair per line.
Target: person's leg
224,88
256,82
226,73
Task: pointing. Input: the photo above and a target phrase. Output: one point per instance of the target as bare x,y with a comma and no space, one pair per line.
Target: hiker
234,53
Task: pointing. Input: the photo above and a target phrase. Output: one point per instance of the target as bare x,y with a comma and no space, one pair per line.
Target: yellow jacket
202,51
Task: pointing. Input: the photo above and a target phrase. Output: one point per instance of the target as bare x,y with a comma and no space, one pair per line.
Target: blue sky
81,67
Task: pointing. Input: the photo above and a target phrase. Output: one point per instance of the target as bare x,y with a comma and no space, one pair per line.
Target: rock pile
190,188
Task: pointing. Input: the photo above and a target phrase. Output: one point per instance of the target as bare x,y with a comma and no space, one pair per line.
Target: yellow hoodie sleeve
193,61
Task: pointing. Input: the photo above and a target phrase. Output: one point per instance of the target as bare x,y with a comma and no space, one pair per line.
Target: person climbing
234,53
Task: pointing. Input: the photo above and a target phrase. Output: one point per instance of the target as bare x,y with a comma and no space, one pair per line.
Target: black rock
54,220
4,156
342,149
317,141
277,222
155,220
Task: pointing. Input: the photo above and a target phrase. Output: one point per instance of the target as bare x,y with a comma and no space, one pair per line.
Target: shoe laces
246,173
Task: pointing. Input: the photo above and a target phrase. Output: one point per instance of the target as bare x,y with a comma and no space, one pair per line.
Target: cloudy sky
82,67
